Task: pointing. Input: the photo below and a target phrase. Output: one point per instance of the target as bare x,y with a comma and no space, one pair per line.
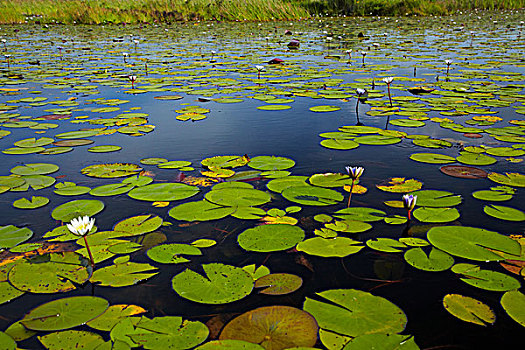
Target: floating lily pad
432,158
271,163
353,313
113,315
241,197
71,339
475,159
471,242
11,236
270,238
464,172
200,211
407,123
437,260
222,284
387,245
509,179
504,213
104,149
82,207
310,195
273,327
64,313
377,140
401,185
229,344
436,215
279,185
171,253
7,342
330,247
70,189
33,203
330,180
278,283
123,273
77,134
34,142
324,108
138,225
513,302
436,198
339,144
114,170
360,214
163,192
485,279
469,309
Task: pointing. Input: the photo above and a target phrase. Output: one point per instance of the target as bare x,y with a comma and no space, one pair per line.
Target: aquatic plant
448,63
388,81
81,226
409,202
354,173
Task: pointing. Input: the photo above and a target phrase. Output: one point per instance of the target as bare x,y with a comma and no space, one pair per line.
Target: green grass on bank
133,11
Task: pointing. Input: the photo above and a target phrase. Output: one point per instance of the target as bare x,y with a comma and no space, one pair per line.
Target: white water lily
388,80
132,78
360,92
81,226
259,68
355,172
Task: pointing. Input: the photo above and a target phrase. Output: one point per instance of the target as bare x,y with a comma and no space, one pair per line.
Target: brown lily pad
464,172
472,135
73,142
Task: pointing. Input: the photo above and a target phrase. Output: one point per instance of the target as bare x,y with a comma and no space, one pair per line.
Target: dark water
243,129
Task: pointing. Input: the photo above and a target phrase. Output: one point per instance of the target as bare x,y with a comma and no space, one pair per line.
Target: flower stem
409,215
89,252
389,97
350,196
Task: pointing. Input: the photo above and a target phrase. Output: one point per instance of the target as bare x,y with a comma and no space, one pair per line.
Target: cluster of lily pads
279,210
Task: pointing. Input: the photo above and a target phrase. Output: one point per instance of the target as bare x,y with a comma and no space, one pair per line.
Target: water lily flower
409,202
355,173
259,70
388,81
132,78
212,56
364,54
81,226
361,92
448,63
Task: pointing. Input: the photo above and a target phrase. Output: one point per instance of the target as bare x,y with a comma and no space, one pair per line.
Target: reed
137,11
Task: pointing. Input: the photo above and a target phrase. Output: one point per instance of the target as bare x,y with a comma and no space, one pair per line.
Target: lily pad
273,327
171,253
163,192
310,195
114,170
138,225
353,313
436,198
437,260
401,185
123,273
270,163
471,242
485,279
71,339
509,179
11,236
436,215
200,211
469,309
514,302
360,214
432,158
64,313
237,197
104,149
330,247
82,207
504,213
35,169
279,283
270,238
222,284
33,203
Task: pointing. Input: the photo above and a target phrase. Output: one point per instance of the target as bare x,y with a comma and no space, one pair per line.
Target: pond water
457,99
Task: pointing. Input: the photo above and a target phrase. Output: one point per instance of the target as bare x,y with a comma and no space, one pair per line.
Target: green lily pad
377,140
71,339
274,107
174,164
70,189
222,284
485,279
475,159
138,225
200,211
10,182
339,144
273,327
23,150
279,185
436,198
57,272
225,161
163,192
330,180
104,149
8,293
270,163
407,123
469,309
56,150
36,182
387,245
310,195
64,313
110,190
504,213
123,273
237,197
432,158
77,134
33,203
494,195
349,226
513,302
436,215
330,247
353,313
168,332
11,236
114,170
437,260
401,185
509,179
113,315
360,214
82,207
34,142
432,143
279,283
505,152
7,342
270,238
471,242
229,344
171,253
324,108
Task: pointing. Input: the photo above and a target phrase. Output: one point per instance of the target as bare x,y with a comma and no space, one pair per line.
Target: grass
133,11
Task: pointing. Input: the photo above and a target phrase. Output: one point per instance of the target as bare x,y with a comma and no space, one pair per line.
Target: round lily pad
77,134
279,185
111,170
240,197
163,192
11,236
82,207
270,238
324,108
330,247
504,213
33,203
271,163
377,140
469,309
437,198
475,159
472,243
73,142
311,195
509,179
273,327
513,302
172,253
436,260
279,283
221,284
464,172
200,211
436,215
432,158
339,144
34,142
64,313
104,149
